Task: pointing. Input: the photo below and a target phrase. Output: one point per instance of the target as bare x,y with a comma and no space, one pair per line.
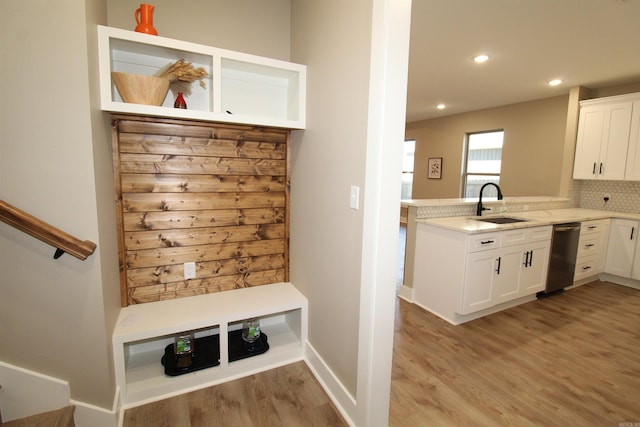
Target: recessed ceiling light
481,58
441,106
554,82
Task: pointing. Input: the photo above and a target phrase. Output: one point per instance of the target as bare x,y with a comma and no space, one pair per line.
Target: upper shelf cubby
241,88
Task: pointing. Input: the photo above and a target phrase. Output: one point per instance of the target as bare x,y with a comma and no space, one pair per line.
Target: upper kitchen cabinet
632,172
603,138
239,88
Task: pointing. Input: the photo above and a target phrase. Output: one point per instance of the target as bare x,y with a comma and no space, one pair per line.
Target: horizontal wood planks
208,193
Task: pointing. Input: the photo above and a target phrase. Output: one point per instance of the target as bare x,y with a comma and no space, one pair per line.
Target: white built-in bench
144,330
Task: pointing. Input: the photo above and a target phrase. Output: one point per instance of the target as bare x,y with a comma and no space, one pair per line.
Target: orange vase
144,19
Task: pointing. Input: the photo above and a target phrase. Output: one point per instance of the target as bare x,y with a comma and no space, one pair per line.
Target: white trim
618,280
389,52
339,395
406,293
26,392
91,415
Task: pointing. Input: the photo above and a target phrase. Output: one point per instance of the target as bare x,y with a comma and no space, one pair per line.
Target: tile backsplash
624,196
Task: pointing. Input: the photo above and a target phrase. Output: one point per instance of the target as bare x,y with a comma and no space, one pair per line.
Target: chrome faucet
479,209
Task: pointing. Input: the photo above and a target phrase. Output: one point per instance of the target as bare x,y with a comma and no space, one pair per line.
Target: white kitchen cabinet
516,268
621,250
459,274
533,277
592,248
632,171
523,267
480,276
242,88
603,138
143,331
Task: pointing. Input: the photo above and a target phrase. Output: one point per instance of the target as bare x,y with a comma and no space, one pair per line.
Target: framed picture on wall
435,168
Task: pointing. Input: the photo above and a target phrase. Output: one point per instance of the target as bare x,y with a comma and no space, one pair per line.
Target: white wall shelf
144,330
241,88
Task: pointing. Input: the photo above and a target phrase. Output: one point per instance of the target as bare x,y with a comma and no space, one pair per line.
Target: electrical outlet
189,270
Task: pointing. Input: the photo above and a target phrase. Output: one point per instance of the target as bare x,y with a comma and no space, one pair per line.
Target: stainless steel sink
501,219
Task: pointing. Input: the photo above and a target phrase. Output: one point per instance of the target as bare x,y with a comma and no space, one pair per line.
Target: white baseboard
405,293
87,415
620,280
341,398
26,393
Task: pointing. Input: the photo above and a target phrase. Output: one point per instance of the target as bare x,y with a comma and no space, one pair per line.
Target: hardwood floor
287,396
571,359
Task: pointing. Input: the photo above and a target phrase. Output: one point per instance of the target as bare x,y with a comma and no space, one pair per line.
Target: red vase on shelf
180,102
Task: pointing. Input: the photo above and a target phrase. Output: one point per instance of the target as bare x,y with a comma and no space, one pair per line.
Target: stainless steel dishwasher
562,261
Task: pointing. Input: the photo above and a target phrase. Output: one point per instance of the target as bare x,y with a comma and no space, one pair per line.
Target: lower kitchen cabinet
592,249
458,274
622,250
517,269
480,280
534,264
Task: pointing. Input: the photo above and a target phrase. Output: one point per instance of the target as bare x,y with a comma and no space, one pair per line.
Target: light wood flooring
569,360
287,396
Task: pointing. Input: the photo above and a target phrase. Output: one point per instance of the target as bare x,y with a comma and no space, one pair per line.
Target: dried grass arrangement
184,71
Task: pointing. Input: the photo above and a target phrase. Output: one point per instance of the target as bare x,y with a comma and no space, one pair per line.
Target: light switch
189,270
354,201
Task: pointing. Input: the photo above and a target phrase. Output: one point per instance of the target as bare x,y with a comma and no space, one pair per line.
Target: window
483,162
408,151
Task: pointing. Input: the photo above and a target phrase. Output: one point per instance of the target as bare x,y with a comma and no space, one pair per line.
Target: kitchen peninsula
416,209
464,268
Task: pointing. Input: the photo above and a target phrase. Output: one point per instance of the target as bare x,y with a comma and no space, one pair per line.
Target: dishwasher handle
566,227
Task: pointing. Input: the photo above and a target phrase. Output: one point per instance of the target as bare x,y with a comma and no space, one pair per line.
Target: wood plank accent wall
210,193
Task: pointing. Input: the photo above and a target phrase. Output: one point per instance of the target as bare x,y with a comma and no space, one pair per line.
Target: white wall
52,312
258,27
54,163
333,39
56,317
342,259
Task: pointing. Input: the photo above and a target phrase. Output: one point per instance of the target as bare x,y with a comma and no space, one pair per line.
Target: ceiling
592,43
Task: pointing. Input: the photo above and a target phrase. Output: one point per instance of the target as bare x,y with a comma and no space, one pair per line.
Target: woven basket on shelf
139,89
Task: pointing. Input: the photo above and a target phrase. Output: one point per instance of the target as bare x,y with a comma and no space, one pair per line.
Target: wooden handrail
39,229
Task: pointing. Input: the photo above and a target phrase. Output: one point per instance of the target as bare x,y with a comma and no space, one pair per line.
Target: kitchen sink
501,219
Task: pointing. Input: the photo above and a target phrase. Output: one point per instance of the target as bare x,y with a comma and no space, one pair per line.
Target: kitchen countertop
470,224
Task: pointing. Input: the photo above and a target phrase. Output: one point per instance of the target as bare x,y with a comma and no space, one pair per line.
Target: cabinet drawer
525,235
483,242
592,227
589,245
586,267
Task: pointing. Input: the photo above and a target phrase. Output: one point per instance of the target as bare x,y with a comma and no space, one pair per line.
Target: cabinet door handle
498,269
531,259
632,230
594,168
600,168
486,242
591,227
588,267
526,259
588,245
